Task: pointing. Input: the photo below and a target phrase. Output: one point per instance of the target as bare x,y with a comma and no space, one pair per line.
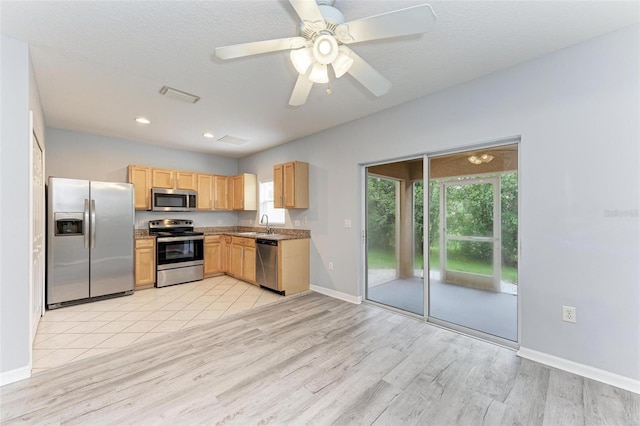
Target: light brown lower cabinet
235,256
145,263
213,255
243,259
293,265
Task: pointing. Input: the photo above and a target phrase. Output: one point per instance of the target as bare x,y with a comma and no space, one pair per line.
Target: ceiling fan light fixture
319,73
479,159
301,59
325,49
342,63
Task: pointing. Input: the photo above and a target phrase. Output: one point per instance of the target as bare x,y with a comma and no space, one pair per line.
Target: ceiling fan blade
300,91
307,10
412,20
258,47
375,82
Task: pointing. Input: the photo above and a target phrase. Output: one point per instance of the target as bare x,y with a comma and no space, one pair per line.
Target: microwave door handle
85,229
93,223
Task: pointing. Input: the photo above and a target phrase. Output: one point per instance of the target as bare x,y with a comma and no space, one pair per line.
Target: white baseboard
336,294
583,370
15,375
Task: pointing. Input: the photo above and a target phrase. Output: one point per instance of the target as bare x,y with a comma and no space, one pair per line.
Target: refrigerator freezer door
68,259
111,238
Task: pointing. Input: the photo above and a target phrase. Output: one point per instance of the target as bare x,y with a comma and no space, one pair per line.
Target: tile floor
76,332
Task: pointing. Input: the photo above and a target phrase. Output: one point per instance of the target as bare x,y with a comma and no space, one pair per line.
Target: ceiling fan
323,41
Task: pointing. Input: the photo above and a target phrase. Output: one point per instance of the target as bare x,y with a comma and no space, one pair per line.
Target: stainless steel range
180,251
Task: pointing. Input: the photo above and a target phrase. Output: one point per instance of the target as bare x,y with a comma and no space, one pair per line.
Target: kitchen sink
254,234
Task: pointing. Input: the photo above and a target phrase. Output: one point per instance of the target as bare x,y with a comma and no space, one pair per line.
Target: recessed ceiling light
143,120
208,135
170,92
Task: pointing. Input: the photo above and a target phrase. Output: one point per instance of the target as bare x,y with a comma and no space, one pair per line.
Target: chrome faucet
262,222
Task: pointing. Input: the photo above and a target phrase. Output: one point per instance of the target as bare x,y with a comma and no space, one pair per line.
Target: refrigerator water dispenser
68,224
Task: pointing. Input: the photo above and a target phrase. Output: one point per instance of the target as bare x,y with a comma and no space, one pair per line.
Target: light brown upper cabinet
205,192
291,185
186,180
173,179
243,192
140,177
162,178
212,192
220,192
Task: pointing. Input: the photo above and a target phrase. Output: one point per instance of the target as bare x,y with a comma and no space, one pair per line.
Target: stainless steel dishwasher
267,264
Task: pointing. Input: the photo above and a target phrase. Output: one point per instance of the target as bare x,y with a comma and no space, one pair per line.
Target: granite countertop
255,232
241,231
265,236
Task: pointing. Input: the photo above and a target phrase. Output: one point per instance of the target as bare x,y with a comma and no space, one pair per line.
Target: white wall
577,113
85,156
14,211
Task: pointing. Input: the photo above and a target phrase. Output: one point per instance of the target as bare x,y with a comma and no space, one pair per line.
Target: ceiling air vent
179,95
232,140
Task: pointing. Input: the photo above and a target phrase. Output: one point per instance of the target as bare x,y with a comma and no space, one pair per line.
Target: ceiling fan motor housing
331,14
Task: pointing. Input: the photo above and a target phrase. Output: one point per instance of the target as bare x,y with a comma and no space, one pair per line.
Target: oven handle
174,239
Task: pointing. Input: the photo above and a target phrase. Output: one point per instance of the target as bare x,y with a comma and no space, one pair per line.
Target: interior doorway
36,230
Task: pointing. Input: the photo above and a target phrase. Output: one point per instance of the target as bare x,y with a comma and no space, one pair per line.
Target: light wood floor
314,360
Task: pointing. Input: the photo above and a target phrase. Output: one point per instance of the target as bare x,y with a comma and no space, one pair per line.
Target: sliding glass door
394,250
461,222
473,241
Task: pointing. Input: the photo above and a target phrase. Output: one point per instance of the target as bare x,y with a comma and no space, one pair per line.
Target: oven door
174,252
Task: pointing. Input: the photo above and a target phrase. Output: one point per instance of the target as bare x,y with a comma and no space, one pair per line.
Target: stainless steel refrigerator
90,240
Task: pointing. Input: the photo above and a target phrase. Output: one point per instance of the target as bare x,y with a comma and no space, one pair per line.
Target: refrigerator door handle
93,223
86,223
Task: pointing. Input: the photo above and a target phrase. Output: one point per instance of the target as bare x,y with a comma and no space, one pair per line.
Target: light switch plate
347,223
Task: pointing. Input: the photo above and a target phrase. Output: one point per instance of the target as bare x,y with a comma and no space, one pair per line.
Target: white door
38,217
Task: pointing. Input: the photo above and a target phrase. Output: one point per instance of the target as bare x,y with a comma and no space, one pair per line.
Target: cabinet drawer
212,239
146,242
241,241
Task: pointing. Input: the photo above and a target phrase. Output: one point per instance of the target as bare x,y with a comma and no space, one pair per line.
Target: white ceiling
100,64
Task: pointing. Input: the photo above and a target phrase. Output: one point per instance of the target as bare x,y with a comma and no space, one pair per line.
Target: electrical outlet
219,221
347,223
568,313
250,221
331,266
304,219
297,223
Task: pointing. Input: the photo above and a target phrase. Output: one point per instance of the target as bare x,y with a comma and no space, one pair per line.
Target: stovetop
172,228
175,233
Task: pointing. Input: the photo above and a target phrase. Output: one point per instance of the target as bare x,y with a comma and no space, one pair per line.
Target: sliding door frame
517,140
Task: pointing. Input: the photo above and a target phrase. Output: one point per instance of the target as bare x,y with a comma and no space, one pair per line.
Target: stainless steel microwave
173,200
